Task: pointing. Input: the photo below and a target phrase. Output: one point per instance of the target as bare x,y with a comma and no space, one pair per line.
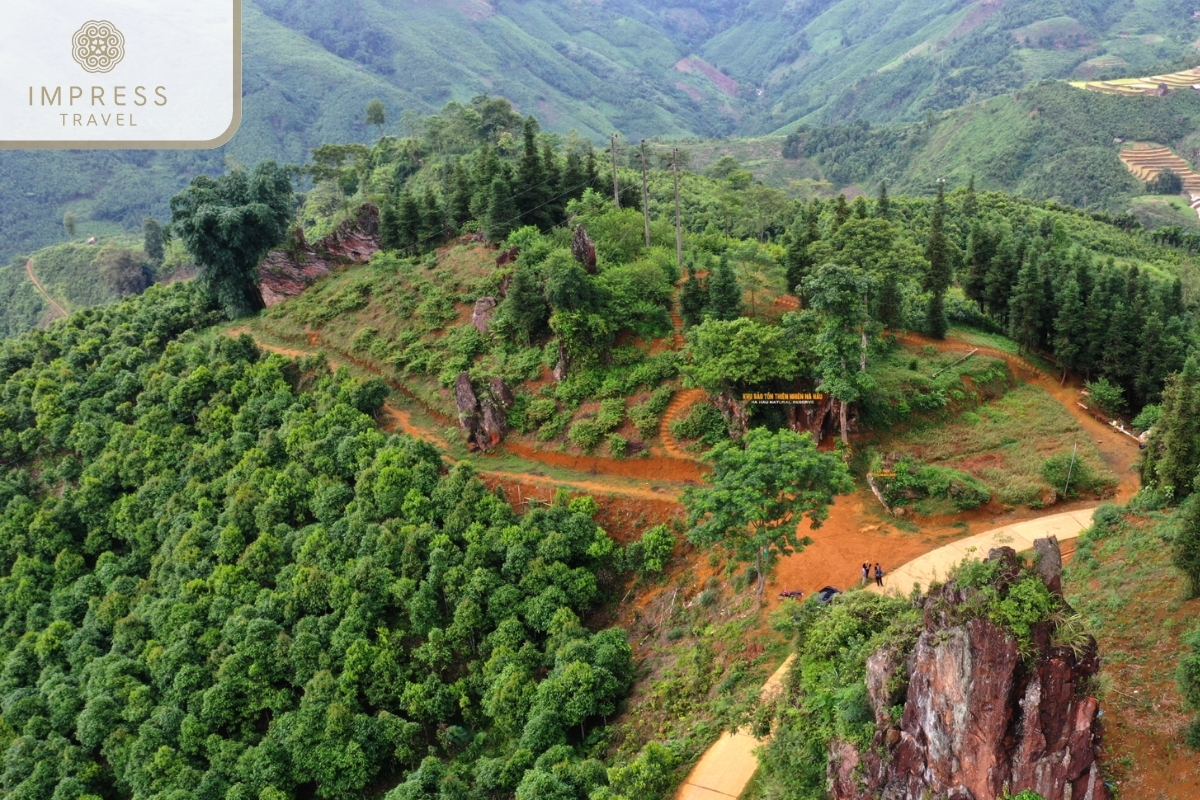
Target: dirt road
62,312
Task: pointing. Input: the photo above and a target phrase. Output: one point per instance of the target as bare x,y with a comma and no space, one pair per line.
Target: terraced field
1146,161
1139,86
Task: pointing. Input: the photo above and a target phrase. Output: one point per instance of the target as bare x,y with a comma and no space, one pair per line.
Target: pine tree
1186,548
883,206
524,311
591,171
841,213
389,226
1151,368
555,210
502,213
1172,455
979,261
460,196
1001,275
1070,327
1025,307
152,240
970,206
889,304
797,260
574,179
693,297
938,276
859,208
724,294
433,223
530,186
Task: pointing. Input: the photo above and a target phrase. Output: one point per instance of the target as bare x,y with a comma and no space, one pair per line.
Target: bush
645,416
1058,468
1166,182
703,423
914,479
1110,398
650,553
1188,677
618,446
612,414
585,434
1147,418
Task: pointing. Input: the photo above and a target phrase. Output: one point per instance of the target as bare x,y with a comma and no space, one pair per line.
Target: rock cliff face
979,720
289,271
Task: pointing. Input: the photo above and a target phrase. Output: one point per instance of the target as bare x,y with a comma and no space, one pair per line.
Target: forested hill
221,577
694,67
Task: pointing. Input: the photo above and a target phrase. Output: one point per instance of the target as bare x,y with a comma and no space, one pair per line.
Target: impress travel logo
119,73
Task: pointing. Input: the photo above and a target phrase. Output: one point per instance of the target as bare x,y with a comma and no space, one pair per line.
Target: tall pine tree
938,275
883,206
724,293
797,258
531,187
1070,327
502,212
1025,307
693,298
970,205
1172,455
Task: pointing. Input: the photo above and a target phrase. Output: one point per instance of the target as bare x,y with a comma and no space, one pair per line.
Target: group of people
866,574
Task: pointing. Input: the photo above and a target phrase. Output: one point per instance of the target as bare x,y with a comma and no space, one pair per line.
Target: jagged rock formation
481,317
584,250
290,270
483,416
979,719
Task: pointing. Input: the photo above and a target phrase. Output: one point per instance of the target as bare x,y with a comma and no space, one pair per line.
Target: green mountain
642,67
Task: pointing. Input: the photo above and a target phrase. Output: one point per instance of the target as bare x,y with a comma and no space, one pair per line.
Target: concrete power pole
645,194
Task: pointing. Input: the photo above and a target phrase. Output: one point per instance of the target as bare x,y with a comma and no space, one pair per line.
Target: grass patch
1005,443
911,382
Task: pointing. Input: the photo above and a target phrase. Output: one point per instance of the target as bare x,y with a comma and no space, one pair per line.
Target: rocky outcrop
484,415
981,720
584,250
481,317
289,271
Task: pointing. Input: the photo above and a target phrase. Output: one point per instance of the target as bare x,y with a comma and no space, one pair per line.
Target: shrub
1147,418
1188,677
913,479
541,411
612,414
618,447
645,416
1110,398
1069,479
585,434
703,423
652,551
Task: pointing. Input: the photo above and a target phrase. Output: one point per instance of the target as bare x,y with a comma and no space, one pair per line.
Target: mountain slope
642,67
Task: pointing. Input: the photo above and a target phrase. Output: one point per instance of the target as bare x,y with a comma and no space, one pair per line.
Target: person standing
866,573
878,575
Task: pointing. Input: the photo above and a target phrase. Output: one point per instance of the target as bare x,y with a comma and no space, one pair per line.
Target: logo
98,46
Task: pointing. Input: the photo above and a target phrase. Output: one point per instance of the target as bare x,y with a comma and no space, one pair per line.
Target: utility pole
645,194
616,186
678,228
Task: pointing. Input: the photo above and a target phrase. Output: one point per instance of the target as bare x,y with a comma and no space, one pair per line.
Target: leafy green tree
839,294
727,356
69,224
841,213
376,115
752,502
153,240
724,293
228,224
940,273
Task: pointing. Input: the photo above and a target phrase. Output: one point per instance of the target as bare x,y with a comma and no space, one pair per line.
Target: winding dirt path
42,290
680,404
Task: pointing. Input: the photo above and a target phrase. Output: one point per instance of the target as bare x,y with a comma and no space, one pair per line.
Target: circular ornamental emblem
98,46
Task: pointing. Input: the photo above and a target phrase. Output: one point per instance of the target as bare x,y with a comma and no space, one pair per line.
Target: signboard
782,398
120,73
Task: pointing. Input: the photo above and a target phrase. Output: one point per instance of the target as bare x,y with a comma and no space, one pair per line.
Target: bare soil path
62,312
